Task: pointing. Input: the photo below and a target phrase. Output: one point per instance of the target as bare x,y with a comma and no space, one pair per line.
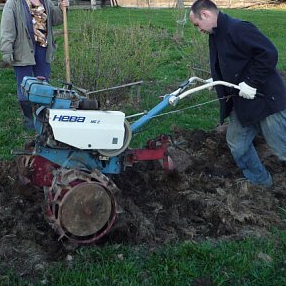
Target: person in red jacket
243,55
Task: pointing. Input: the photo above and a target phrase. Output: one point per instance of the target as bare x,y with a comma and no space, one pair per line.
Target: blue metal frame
147,117
78,159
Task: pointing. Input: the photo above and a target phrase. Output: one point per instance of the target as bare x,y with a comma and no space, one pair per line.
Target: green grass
251,261
176,56
246,262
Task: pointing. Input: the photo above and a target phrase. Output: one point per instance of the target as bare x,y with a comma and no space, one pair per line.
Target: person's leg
240,142
42,68
20,73
273,129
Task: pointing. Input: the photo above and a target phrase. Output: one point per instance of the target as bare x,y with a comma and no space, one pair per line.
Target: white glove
246,91
8,59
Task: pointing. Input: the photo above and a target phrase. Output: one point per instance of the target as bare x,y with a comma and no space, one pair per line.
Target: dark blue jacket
240,52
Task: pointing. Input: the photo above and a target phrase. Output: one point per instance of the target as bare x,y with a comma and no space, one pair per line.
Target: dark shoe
29,123
245,183
30,144
28,115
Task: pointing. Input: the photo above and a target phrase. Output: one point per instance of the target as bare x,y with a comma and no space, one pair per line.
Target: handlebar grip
258,94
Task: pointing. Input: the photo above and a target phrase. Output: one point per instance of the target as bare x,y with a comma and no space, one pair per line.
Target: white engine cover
88,129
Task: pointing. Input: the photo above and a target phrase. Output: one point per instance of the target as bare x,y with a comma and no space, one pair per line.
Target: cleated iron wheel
81,206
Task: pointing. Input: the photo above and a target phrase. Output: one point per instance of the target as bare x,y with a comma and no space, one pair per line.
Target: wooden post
66,43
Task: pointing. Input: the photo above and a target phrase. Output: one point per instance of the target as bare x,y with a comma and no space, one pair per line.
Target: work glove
8,59
246,91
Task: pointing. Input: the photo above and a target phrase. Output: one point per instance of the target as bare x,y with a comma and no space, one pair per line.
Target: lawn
115,46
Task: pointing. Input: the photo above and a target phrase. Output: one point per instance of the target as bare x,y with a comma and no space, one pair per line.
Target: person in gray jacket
27,41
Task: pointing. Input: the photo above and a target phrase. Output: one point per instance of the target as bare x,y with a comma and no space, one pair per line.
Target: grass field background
107,46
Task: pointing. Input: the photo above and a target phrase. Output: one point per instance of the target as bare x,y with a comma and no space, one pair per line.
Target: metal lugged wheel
85,209
81,206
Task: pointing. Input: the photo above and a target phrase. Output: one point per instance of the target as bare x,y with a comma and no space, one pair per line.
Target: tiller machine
77,146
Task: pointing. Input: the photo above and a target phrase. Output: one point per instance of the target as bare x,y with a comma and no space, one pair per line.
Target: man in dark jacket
242,55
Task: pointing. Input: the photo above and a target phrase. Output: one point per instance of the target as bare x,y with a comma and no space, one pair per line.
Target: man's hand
8,59
246,91
64,3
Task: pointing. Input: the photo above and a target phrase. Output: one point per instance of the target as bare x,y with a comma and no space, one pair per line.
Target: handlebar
178,95
174,97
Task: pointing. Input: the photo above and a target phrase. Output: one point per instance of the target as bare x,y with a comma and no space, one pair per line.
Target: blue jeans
240,141
41,68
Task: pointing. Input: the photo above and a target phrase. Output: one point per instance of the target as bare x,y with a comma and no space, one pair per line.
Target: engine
64,119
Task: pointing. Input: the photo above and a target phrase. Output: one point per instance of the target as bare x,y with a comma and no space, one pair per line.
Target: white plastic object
88,129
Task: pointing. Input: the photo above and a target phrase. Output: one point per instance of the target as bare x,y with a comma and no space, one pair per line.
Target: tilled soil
203,198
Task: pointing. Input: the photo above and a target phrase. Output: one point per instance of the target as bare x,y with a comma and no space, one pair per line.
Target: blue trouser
240,141
41,68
